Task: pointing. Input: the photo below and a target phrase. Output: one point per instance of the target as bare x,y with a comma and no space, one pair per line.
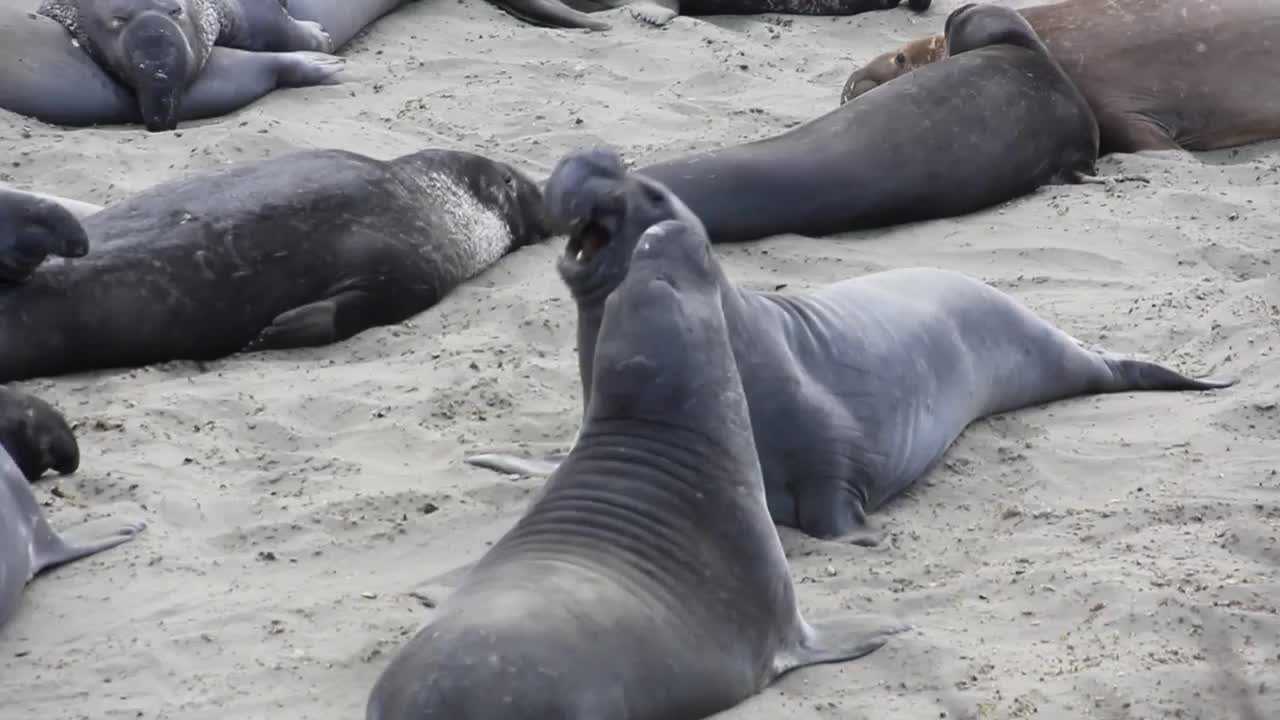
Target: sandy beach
306,509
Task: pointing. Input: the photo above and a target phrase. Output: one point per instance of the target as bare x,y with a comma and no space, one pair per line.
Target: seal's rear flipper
516,465
52,550
835,641
550,13
315,324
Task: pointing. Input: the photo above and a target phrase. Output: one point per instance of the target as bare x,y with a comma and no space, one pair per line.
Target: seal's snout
159,62
583,198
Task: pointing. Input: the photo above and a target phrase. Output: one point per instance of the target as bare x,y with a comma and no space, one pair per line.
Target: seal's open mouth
587,239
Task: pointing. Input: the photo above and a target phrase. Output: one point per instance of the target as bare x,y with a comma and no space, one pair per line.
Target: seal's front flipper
825,511
655,12
319,323
52,550
836,641
516,465
232,79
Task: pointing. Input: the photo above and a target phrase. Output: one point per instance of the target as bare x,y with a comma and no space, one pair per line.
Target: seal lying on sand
301,250
46,77
646,582
28,545
33,227
159,47
887,159
555,13
36,436
857,389
1159,74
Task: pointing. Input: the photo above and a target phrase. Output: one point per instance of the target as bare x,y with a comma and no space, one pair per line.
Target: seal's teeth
579,256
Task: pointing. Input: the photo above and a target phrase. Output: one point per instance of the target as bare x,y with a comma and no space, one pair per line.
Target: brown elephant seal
887,159
159,47
1159,74
647,582
36,436
857,389
555,13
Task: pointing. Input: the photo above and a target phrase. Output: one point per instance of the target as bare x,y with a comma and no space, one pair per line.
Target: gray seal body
29,545
46,77
159,47
857,389
887,159
300,250
647,582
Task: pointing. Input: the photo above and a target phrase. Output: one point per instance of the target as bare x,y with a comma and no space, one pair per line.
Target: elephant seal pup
555,13
36,436
887,160
159,47
29,545
647,582
300,250
1159,74
46,77
33,227
857,389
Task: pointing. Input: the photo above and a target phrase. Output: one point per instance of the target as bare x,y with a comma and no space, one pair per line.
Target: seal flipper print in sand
647,582
857,389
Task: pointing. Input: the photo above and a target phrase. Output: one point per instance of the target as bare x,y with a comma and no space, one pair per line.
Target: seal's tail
1129,374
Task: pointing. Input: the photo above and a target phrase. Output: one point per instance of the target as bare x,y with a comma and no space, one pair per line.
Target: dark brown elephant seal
1159,74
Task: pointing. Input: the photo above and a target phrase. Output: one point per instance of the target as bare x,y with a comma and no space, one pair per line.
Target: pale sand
1056,567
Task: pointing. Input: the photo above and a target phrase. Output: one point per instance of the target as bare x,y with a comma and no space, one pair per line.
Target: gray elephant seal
1159,74
555,13
302,250
159,47
36,436
46,77
29,545
886,160
856,390
647,582
33,227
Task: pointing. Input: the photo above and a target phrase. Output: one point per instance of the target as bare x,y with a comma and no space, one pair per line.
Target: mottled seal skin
159,47
647,581
29,545
46,77
886,159
343,19
36,436
300,250
33,227
1159,74
857,389
555,13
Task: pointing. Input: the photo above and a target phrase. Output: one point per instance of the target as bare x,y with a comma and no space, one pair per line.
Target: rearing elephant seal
29,545
556,13
646,583
887,159
300,250
33,227
159,47
856,390
1159,74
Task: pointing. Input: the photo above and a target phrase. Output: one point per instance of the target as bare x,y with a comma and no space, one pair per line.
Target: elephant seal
302,250
555,13
33,227
46,77
36,436
856,389
1159,74
886,160
342,19
647,581
29,545
159,47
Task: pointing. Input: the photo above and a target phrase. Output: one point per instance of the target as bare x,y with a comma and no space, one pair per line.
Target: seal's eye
117,22
176,12
900,60
509,180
